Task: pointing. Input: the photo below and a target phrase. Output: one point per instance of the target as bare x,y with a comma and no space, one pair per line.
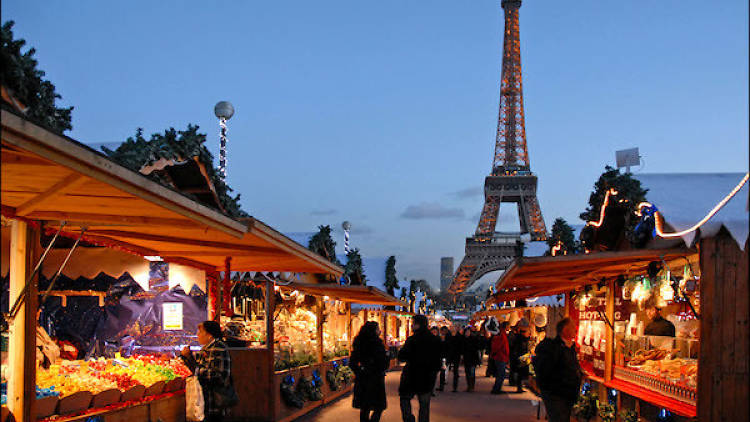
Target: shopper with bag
212,367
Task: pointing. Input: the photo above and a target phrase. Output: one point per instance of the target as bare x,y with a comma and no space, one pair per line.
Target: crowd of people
432,355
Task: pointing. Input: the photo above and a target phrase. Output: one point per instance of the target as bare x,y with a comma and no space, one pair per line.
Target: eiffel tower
511,180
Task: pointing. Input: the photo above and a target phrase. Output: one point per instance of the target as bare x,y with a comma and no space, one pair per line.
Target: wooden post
225,289
568,303
610,333
270,311
319,328
349,325
22,348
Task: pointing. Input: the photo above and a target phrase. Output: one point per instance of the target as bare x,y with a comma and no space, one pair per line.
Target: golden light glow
604,206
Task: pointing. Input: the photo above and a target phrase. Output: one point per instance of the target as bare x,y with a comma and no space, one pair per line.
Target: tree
20,76
562,237
180,145
323,244
619,221
353,269
421,285
391,282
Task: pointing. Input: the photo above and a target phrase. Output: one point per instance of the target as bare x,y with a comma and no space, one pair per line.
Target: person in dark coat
369,361
421,353
512,335
519,348
212,365
454,345
444,339
558,373
471,354
658,326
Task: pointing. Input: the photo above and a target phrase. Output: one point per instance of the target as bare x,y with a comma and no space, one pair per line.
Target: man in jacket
454,346
421,353
499,354
558,372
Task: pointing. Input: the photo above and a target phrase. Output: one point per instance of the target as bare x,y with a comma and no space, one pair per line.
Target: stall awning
551,275
500,312
354,294
51,178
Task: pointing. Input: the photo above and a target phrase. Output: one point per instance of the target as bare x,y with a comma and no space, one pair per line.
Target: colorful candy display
105,374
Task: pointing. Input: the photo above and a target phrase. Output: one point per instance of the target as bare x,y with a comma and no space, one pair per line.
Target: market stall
306,364
53,186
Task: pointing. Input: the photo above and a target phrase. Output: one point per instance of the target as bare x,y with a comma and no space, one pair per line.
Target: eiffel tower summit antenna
511,179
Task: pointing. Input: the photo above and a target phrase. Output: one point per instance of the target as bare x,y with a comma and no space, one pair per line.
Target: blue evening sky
384,112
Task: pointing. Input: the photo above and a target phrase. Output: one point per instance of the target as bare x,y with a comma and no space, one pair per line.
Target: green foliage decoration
629,194
607,412
323,244
391,281
179,145
563,234
629,415
353,269
587,406
19,74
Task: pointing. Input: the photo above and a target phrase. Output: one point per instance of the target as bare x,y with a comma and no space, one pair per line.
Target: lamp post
346,226
224,111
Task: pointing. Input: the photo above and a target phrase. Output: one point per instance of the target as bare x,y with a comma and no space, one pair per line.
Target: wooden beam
22,347
27,136
184,241
189,262
208,253
60,188
89,218
610,332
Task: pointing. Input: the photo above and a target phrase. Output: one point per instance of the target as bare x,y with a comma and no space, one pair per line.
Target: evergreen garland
19,74
179,145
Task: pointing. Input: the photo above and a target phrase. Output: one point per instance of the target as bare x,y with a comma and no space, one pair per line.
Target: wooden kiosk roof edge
69,153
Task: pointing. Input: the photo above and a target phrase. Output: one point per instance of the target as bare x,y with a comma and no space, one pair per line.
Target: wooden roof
51,178
355,294
551,275
500,312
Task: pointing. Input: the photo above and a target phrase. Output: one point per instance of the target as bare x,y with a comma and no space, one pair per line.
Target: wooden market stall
395,327
701,371
304,366
52,184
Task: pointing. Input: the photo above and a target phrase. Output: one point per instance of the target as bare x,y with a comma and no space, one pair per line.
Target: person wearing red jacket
500,353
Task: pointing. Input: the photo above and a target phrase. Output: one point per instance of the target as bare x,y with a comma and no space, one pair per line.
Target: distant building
446,273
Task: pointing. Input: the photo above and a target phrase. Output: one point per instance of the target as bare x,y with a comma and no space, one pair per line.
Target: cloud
324,212
431,210
473,192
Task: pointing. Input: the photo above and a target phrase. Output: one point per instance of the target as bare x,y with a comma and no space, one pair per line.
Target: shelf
676,406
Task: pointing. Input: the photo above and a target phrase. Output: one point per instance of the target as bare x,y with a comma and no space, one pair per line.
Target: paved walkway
446,406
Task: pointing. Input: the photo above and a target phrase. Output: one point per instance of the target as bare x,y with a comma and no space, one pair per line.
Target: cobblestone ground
446,406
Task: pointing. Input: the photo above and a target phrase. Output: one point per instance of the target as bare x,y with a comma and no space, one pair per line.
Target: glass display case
335,329
667,365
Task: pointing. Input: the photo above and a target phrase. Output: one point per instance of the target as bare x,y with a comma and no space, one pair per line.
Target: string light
659,220
604,206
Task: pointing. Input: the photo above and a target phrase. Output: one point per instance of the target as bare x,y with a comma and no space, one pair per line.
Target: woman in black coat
369,362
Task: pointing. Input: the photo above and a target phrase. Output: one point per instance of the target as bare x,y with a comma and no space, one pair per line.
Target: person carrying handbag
212,366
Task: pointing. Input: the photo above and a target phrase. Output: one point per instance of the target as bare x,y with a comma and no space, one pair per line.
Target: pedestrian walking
435,331
511,343
558,373
454,346
518,348
212,366
421,353
499,353
444,339
471,356
369,361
